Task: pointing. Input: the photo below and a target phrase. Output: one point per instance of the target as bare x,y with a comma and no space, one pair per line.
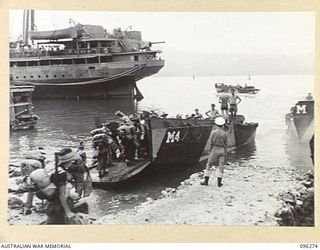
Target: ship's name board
173,136
301,109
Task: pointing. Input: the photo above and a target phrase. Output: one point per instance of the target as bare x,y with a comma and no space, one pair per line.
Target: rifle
17,191
56,162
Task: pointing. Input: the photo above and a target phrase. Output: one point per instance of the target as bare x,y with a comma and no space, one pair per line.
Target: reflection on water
63,123
245,153
148,185
298,153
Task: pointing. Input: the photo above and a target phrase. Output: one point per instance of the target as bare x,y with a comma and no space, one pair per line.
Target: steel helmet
220,121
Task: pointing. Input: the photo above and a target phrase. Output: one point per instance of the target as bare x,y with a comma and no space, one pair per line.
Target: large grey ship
81,61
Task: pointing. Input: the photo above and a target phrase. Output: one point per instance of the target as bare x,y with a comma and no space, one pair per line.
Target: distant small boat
220,87
21,114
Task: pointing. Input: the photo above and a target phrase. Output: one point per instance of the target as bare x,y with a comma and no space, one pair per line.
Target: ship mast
28,25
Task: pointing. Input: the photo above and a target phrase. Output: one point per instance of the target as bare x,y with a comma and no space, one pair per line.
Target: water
278,94
65,123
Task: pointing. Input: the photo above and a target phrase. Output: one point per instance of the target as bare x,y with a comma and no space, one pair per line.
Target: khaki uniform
218,150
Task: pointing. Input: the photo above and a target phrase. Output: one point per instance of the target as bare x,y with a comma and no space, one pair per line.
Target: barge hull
245,133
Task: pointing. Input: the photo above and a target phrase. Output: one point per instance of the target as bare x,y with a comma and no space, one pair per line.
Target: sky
207,43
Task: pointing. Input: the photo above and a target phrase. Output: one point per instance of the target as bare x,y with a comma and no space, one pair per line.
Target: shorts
233,107
224,106
216,154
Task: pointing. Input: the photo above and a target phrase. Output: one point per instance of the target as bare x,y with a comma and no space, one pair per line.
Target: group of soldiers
229,108
219,139
64,189
67,186
125,140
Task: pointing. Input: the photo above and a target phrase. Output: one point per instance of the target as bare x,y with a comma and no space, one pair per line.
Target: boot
219,182
205,182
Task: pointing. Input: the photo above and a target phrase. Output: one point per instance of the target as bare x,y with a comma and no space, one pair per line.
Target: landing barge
300,120
175,142
220,87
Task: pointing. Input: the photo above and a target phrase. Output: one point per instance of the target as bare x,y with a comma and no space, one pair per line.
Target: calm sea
65,123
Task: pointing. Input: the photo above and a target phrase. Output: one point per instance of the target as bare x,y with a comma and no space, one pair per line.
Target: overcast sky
207,43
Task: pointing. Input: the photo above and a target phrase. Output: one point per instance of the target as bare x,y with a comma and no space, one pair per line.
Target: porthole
62,75
24,76
55,75
47,76
39,76
31,76
17,77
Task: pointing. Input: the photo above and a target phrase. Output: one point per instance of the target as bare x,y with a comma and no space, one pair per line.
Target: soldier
70,182
81,152
224,100
309,97
73,165
35,159
62,189
197,115
138,135
234,101
126,135
27,166
212,113
101,142
218,150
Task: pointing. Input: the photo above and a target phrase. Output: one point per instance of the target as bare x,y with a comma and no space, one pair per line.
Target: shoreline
251,195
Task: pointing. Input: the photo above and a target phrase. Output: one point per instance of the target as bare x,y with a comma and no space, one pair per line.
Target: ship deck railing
18,104
70,52
21,88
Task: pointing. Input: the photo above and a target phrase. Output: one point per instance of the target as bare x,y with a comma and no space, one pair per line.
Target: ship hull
85,81
123,87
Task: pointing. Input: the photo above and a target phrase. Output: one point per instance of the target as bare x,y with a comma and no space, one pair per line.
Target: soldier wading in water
218,150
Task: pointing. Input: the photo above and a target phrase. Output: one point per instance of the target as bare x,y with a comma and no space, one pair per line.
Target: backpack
47,189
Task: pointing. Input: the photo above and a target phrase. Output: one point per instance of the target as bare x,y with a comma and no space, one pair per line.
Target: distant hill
184,64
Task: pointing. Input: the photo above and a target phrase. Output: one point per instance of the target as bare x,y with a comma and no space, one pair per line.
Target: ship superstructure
82,61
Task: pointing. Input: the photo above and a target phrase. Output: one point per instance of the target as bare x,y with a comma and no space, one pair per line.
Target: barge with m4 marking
176,142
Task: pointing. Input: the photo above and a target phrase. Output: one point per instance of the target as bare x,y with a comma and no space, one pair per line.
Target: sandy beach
250,196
